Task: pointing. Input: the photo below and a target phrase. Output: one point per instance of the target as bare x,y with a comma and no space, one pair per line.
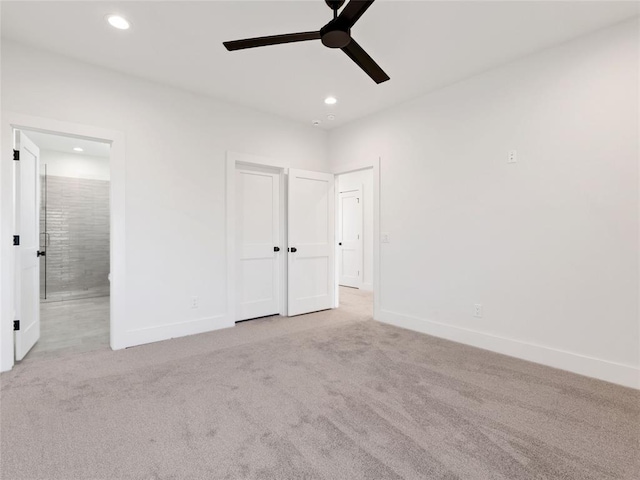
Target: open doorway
73,244
355,235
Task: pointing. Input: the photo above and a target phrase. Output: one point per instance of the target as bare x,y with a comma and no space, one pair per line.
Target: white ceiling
422,45
60,143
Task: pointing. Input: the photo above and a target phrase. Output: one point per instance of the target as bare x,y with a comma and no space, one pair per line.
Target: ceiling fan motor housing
335,34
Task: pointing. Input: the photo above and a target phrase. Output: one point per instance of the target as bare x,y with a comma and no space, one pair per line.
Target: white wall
176,144
72,165
548,245
351,181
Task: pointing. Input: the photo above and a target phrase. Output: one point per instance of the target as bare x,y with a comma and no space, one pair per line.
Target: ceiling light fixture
78,149
330,100
118,22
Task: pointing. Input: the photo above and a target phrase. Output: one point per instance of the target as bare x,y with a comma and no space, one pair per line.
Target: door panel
311,241
258,232
28,264
350,238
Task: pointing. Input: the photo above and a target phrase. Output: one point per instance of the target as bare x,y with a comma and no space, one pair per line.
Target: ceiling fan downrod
335,6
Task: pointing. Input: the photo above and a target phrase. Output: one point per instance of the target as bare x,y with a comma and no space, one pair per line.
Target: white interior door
311,228
350,238
258,238
27,264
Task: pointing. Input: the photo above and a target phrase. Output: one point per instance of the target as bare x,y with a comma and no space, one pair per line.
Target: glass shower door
44,236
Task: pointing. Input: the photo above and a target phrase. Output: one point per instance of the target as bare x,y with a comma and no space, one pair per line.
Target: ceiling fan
335,34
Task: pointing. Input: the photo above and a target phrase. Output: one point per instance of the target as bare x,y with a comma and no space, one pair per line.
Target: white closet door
350,238
311,226
28,226
258,238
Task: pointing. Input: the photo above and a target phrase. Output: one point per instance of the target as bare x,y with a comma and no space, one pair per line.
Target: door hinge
16,240
16,155
16,325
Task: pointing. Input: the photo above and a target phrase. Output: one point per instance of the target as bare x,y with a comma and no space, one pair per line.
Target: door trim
377,274
252,161
15,121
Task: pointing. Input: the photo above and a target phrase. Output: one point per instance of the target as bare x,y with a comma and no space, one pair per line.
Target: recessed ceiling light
331,117
316,123
330,100
118,22
78,149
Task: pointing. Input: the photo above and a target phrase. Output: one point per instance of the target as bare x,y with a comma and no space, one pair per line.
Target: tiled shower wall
77,221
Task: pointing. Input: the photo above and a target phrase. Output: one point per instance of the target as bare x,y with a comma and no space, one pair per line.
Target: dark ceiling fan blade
272,40
354,10
365,62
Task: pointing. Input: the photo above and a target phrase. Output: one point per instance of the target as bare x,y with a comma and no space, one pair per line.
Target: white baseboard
618,373
142,336
368,287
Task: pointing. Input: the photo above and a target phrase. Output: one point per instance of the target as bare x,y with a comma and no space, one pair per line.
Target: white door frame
248,160
12,121
354,167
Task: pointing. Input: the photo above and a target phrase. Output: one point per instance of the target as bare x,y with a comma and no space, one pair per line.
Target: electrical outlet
477,310
512,157
385,238
195,302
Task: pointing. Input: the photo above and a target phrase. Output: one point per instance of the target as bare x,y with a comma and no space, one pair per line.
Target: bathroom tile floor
72,326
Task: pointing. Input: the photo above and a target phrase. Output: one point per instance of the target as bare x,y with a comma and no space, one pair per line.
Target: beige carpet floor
331,395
